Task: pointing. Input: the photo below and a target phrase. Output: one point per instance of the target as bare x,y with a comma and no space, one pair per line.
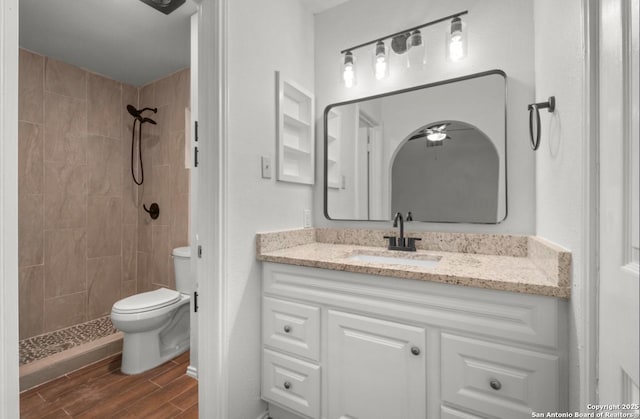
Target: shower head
138,114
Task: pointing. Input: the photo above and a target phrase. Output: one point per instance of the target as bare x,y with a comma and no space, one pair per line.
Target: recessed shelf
295,133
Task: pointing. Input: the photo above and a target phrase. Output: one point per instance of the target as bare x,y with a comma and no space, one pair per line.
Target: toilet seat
146,301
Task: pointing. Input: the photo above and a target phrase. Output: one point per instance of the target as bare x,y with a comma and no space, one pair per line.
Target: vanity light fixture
381,64
416,58
408,41
457,48
349,70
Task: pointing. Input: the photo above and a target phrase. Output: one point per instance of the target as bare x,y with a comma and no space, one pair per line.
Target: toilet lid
147,301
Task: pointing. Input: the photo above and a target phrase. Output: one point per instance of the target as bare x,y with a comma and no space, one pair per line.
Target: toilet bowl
155,324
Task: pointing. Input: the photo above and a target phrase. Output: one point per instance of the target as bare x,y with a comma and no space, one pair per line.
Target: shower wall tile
104,98
144,272
30,230
129,188
65,129
65,210
31,301
162,181
129,288
161,150
160,255
65,79
147,98
78,204
64,195
65,262
105,171
144,231
104,226
103,285
167,183
129,252
180,221
31,87
65,311
30,158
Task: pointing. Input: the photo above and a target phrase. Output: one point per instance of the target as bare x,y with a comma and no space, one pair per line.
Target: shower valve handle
153,210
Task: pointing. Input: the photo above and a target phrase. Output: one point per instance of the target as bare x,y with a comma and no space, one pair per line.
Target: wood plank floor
100,390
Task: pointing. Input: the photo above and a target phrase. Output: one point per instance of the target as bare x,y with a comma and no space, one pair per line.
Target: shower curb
44,370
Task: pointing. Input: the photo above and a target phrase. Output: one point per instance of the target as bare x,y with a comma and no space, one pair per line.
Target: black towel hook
550,105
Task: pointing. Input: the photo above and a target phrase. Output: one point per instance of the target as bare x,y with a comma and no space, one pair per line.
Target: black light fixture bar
424,25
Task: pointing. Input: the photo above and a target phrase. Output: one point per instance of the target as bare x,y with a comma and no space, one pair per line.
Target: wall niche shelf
333,149
295,132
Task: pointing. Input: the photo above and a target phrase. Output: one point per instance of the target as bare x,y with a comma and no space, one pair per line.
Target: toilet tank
182,269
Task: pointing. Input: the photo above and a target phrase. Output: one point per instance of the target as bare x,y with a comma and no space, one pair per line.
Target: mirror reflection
437,151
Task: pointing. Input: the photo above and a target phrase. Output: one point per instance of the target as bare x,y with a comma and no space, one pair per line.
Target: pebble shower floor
42,346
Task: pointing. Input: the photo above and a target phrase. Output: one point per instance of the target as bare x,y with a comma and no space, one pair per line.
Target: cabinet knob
287,385
415,350
495,384
287,328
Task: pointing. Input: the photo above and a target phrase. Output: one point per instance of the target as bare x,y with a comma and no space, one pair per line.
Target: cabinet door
375,368
498,380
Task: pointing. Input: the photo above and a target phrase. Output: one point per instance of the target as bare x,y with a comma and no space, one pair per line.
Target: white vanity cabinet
346,345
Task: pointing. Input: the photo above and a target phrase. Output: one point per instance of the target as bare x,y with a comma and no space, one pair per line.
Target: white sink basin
393,260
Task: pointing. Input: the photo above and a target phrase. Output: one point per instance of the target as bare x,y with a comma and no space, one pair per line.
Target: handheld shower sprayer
137,114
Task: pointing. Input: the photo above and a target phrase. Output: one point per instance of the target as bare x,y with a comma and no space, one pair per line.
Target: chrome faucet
398,243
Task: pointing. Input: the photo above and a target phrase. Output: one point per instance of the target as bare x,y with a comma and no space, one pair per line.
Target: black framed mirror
437,150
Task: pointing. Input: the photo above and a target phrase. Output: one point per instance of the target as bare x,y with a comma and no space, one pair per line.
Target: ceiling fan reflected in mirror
438,132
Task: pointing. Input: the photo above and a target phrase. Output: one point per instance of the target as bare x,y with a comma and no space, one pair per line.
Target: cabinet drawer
448,413
292,327
292,383
498,380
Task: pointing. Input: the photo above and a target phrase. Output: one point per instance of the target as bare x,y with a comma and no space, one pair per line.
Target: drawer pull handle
287,329
287,385
495,384
415,350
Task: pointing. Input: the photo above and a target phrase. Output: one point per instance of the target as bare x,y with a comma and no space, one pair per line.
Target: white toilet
155,323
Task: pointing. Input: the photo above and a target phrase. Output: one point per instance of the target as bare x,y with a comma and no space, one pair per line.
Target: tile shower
84,239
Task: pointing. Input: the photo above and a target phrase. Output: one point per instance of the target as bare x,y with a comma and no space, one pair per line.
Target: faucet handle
392,241
411,242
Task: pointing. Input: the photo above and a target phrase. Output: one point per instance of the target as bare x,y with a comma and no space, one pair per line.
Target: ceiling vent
165,6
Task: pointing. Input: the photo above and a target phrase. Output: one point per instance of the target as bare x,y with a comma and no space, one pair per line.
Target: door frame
211,217
9,399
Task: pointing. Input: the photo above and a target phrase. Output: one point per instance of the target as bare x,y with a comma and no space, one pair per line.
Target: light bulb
415,51
381,67
457,44
349,70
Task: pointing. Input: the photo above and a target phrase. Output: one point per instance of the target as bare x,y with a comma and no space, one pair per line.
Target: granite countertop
525,264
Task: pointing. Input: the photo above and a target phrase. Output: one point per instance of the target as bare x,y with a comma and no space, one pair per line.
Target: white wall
500,36
263,36
561,161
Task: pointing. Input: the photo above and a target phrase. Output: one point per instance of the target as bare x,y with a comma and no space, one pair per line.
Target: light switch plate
266,167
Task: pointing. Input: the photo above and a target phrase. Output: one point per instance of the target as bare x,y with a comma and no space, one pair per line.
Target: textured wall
80,248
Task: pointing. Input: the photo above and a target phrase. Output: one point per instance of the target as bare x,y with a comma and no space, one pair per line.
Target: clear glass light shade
380,61
416,57
349,70
456,41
